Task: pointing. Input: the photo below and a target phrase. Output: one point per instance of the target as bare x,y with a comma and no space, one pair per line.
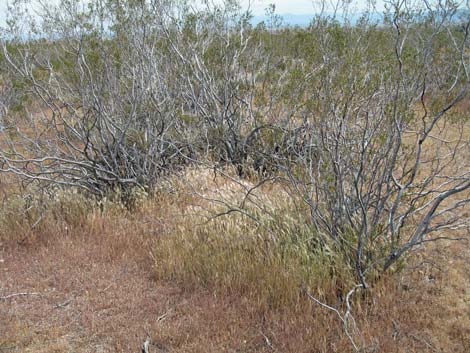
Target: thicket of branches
113,95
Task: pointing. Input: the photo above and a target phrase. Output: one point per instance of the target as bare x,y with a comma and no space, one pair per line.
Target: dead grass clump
267,255
26,214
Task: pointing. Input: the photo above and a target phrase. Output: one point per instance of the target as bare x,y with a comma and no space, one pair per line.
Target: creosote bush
357,125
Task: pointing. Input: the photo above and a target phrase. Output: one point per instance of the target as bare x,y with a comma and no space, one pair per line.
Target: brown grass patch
94,266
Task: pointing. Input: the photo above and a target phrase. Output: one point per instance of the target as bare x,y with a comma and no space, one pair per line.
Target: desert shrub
345,115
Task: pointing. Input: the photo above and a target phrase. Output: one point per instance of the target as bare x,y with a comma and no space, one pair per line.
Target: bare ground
80,298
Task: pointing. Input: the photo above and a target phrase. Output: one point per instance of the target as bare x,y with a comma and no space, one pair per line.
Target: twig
164,316
345,318
62,305
422,340
146,345
268,341
113,281
18,295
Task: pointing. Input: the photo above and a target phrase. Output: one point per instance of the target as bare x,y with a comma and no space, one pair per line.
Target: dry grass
108,277
238,291
265,250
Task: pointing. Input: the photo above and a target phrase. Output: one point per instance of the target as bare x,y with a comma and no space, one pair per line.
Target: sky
258,7
299,7
3,8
